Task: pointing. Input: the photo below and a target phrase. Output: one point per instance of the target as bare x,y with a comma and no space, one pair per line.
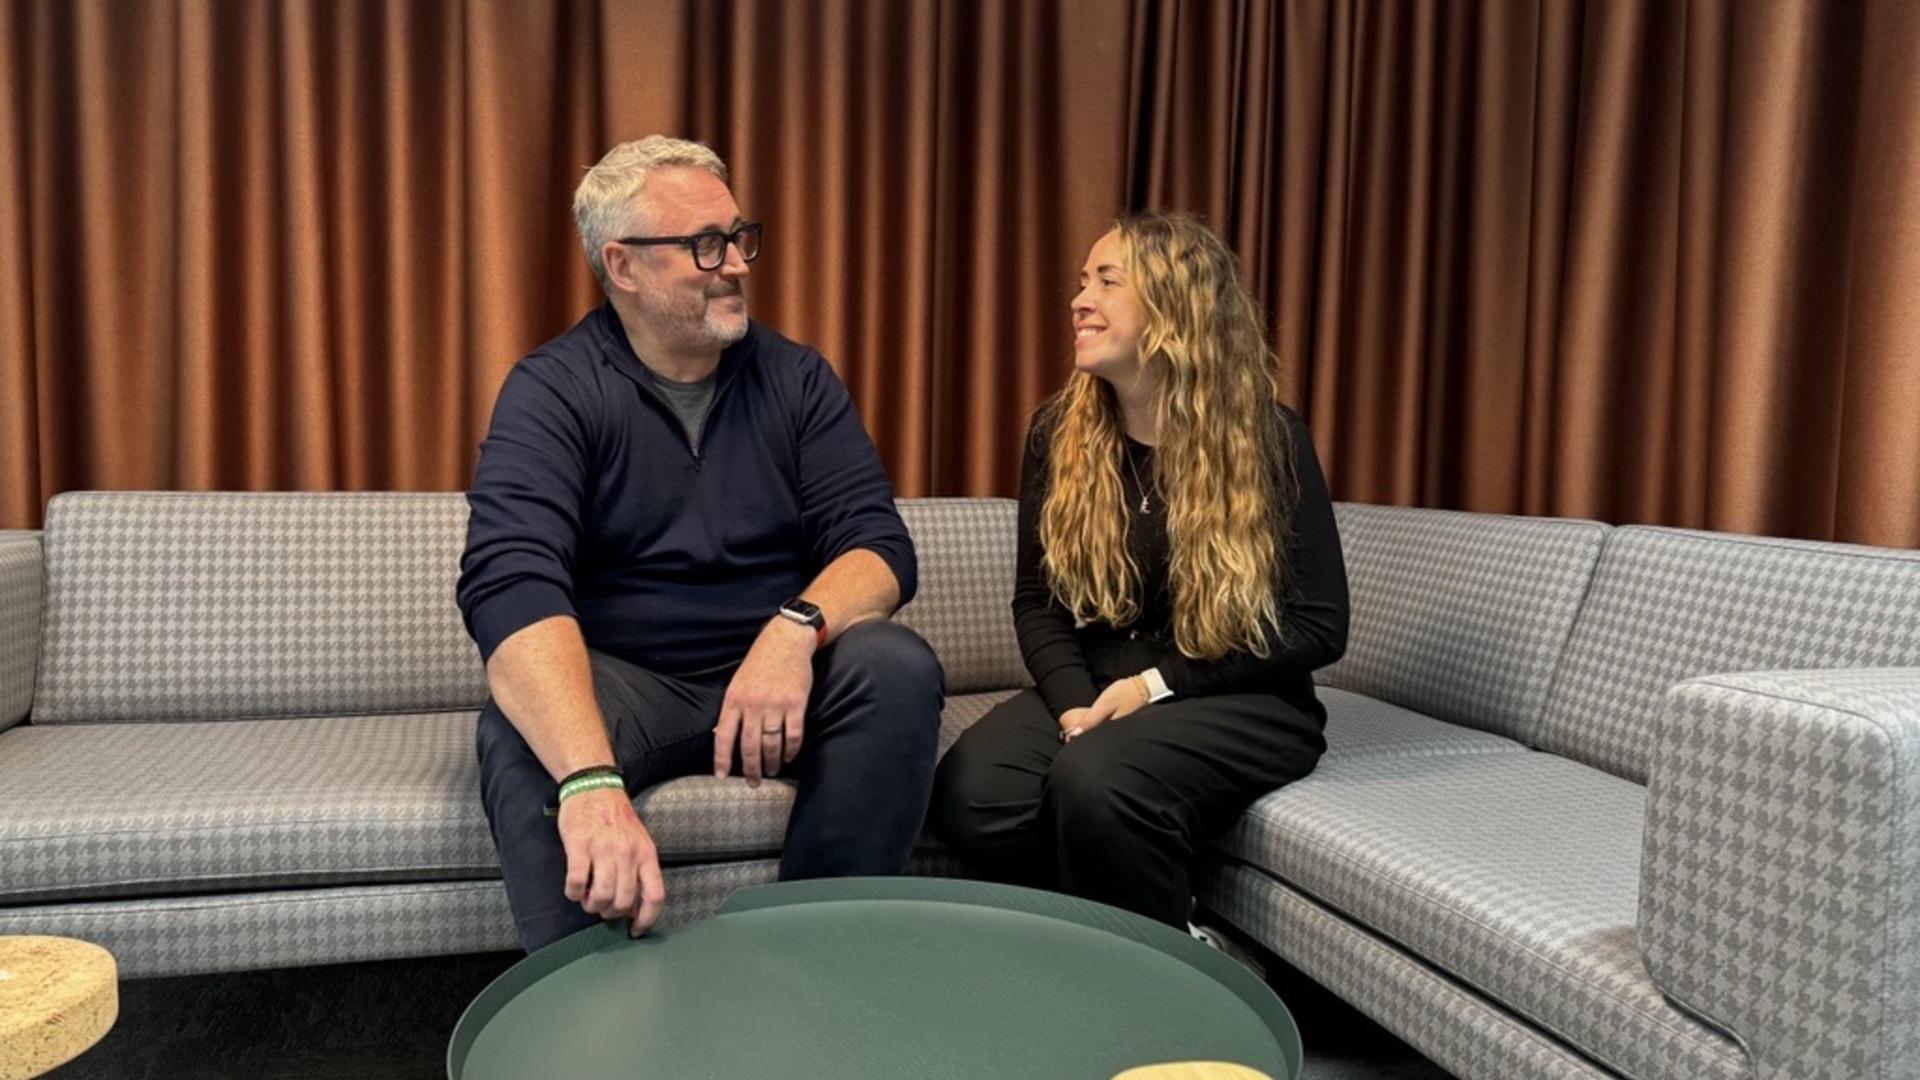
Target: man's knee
890,657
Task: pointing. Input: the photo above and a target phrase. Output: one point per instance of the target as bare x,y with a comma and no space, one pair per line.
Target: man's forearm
542,680
856,587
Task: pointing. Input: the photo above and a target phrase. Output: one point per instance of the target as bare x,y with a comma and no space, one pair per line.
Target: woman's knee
1078,778
1090,785
954,811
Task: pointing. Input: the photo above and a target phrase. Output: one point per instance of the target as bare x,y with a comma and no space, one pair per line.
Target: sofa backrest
22,597
200,606
1671,604
965,604
1460,616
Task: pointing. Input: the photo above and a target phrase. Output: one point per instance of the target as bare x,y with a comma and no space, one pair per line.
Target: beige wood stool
57,997
1193,1070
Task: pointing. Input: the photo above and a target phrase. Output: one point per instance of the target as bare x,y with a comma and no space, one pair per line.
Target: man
681,557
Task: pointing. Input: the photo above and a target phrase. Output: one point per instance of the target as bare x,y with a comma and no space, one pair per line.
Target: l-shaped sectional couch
1598,802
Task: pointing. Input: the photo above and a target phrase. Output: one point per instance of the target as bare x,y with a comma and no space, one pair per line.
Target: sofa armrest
1780,876
23,594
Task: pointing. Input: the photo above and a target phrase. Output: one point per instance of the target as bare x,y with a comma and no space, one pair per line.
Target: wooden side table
58,996
1194,1070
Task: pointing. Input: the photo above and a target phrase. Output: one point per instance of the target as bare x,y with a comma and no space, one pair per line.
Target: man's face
687,308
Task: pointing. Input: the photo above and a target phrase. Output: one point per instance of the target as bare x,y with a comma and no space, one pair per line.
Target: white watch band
1157,688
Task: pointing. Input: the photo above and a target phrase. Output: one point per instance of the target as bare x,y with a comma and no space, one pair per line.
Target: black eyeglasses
709,248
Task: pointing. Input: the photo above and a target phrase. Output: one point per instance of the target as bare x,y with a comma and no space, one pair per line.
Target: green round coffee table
876,977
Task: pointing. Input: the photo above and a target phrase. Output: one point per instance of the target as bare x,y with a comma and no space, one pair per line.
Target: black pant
1116,814
863,771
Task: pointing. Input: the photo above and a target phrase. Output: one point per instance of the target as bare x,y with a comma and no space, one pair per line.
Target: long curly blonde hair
1224,462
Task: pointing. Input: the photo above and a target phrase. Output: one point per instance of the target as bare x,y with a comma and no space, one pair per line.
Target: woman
1179,578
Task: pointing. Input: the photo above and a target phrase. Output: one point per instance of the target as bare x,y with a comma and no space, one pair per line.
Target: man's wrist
590,782
784,628
582,781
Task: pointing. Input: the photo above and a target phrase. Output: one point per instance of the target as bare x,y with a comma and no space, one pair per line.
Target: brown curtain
1641,260
1638,260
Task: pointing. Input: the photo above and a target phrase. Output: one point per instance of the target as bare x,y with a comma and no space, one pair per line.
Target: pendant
1143,503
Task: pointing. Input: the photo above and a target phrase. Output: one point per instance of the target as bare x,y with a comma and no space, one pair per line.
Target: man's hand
1120,698
765,709
613,869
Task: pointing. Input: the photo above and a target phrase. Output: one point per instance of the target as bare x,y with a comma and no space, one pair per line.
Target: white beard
691,324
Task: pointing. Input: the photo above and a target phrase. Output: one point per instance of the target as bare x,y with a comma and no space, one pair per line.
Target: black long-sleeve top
1070,666
591,500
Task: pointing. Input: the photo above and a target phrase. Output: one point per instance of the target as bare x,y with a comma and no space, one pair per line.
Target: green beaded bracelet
590,783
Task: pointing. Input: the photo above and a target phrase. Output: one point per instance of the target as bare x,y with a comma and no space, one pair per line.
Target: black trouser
1115,815
863,771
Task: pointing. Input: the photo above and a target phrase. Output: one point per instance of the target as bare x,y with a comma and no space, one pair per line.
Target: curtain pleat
22,480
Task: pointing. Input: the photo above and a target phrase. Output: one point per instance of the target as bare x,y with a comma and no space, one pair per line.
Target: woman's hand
1120,698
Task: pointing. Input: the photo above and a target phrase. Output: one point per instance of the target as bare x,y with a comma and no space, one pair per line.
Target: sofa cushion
1516,873
189,935
965,604
1460,616
208,606
698,817
1359,726
1672,604
100,810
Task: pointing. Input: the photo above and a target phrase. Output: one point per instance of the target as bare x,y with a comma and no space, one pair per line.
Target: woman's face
1108,318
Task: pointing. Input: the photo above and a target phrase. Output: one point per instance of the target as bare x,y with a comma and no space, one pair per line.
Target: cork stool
57,997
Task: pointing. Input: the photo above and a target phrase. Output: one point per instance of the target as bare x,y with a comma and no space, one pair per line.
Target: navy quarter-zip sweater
590,501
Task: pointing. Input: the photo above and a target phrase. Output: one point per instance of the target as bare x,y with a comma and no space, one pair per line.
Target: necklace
1145,506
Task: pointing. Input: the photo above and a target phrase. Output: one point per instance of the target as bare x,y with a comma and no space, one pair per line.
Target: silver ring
774,730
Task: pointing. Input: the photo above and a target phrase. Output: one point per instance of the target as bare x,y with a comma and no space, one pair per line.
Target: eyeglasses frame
692,243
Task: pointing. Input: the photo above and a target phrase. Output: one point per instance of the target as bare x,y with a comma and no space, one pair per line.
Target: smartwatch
806,613
1157,688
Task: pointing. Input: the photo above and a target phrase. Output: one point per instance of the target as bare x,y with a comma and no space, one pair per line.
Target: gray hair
604,204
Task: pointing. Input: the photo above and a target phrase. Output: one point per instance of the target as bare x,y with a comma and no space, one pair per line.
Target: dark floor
391,1020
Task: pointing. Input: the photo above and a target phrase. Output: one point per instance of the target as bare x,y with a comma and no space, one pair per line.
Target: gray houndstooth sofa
1555,834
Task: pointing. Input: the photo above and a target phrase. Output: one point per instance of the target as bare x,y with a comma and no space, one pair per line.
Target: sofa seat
102,810
1359,726
698,818
1517,873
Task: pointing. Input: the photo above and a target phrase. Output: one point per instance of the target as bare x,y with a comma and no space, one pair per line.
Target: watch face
805,611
